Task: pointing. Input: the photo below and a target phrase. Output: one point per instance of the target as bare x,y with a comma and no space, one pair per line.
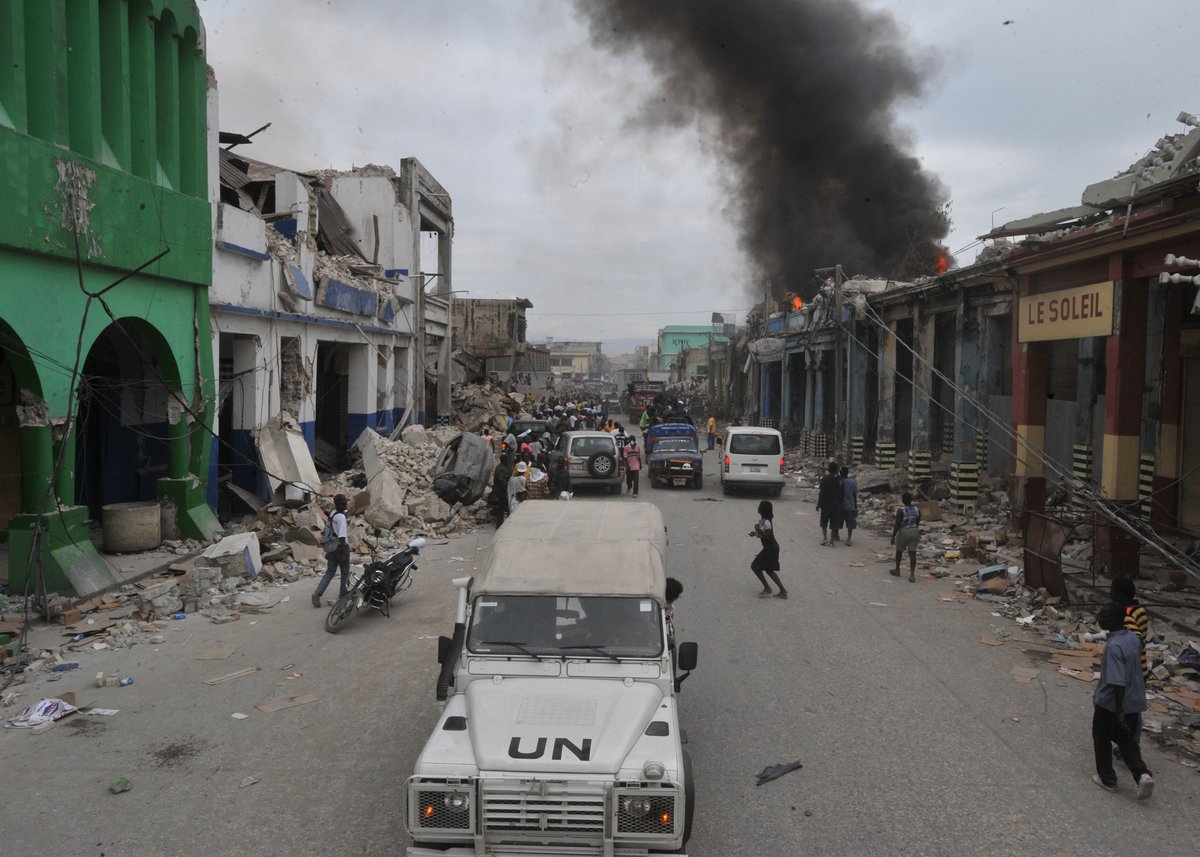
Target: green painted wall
103,134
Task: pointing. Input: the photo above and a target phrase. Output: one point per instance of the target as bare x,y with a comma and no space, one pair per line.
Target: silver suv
592,459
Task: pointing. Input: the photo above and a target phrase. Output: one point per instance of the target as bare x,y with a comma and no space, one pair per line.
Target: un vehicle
560,730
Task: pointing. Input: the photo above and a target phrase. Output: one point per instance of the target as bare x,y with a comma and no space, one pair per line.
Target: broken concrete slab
285,457
244,545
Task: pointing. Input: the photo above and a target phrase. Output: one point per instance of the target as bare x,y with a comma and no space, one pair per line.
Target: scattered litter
1186,763
44,711
219,652
125,682
832,590
1015,719
288,700
100,712
774,772
99,647
247,781
179,616
66,667
878,604
231,676
1025,620
294,675
287,666
456,559
285,599
989,640
121,784
237,715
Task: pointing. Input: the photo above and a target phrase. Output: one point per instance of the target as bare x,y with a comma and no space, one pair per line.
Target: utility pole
839,366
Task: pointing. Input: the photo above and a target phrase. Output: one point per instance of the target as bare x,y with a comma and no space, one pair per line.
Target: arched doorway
124,424
19,381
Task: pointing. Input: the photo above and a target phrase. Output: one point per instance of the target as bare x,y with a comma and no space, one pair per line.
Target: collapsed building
319,310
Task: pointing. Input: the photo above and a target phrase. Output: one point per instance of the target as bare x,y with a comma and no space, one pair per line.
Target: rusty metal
1045,536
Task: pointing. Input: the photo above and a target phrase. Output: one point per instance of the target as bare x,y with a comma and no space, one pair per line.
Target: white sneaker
1145,786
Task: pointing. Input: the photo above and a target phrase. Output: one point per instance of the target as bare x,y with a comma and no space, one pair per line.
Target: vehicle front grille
542,806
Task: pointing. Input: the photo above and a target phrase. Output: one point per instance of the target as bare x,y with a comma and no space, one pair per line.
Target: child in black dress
767,560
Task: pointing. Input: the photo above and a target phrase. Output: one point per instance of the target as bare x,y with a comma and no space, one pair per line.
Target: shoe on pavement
766,593
316,599
1096,779
824,541
894,572
781,595
911,579
1145,786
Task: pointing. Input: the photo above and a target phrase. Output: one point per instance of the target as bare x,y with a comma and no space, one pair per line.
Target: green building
674,338
106,375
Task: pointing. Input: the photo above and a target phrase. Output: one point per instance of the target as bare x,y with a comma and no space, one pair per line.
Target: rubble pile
479,405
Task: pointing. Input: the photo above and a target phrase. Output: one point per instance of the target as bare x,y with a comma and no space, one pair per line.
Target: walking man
849,503
829,504
1118,703
633,466
339,556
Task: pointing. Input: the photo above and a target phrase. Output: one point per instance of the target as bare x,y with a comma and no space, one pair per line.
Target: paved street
914,737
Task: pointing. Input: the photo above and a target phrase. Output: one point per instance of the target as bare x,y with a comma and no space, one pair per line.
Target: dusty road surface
914,737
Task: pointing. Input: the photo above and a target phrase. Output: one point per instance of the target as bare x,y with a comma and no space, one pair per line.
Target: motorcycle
376,586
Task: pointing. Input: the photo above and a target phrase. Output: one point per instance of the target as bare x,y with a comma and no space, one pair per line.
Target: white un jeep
560,732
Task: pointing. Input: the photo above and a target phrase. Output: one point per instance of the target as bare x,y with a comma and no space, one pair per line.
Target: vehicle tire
602,465
698,483
689,800
725,489
341,612
775,492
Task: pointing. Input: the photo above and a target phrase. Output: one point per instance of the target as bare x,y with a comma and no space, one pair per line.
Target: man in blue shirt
1118,703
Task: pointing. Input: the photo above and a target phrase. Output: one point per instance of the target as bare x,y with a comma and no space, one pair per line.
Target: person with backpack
336,544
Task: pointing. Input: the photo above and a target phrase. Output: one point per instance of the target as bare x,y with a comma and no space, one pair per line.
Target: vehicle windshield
674,444
566,626
583,447
754,444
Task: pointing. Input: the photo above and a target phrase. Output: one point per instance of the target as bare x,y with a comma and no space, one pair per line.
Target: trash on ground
121,784
43,711
287,700
248,781
774,772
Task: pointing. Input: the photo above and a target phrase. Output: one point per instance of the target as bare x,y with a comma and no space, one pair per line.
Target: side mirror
686,659
445,644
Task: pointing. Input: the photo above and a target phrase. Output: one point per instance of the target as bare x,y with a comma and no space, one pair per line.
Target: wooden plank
231,676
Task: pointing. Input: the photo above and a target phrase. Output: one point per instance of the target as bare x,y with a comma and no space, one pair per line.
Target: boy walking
1118,703
339,557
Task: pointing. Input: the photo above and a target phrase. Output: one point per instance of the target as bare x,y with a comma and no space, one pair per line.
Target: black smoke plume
803,94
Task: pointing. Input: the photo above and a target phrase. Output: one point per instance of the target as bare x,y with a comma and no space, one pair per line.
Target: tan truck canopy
578,547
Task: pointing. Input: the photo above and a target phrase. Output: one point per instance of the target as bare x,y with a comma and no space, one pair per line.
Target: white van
752,457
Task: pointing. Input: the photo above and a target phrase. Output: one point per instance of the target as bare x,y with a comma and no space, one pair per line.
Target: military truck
559,732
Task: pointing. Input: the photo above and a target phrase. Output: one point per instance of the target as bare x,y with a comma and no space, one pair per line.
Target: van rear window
754,444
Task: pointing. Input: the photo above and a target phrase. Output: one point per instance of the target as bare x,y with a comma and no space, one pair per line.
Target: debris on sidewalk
41,712
119,785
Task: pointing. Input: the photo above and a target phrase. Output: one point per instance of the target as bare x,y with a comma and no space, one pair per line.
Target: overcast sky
612,231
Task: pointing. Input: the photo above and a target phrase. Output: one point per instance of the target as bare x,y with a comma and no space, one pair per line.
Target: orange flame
797,303
941,262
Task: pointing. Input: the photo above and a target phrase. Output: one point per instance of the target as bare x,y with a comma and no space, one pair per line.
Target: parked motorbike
376,586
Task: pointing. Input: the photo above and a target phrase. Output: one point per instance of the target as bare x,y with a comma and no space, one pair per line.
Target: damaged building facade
489,338
1068,359
105,263
320,312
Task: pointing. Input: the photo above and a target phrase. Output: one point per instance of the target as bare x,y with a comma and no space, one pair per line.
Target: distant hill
613,347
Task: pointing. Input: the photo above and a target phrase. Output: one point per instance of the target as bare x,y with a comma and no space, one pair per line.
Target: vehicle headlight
636,807
457,801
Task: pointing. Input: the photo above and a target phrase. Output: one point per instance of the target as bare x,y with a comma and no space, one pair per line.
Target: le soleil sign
1067,314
